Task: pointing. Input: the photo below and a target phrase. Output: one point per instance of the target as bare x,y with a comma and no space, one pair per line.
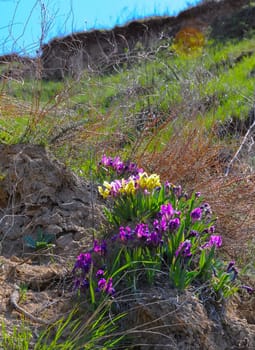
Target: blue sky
21,20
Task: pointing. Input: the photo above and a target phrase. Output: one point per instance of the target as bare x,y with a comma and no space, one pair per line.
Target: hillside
175,97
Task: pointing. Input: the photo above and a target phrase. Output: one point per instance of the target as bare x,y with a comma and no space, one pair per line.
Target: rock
11,225
54,229
66,242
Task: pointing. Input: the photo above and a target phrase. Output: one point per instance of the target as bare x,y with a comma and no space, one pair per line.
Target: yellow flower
107,185
153,181
149,182
142,182
122,188
104,193
129,187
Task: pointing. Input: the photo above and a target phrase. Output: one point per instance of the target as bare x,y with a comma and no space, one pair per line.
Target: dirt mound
163,318
41,200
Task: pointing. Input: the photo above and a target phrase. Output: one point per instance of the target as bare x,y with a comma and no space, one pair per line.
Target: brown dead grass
193,159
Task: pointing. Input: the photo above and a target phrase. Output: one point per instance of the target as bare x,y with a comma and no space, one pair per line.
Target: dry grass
193,159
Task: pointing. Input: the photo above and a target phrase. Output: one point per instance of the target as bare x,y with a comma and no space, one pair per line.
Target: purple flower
106,161
132,168
115,187
163,225
184,249
125,233
106,286
167,210
206,208
81,283
109,287
234,273
214,241
230,266
231,269
118,165
177,191
100,249
154,239
212,229
142,230
83,262
196,214
101,283
167,186
174,224
100,273
193,233
248,289
84,284
197,194
156,224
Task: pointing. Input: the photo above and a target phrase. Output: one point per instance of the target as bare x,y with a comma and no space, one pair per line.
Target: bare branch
242,144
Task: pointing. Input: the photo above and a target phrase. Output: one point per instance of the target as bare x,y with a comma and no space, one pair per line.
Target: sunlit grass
162,83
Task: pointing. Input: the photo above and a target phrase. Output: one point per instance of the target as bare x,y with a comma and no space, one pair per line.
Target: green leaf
202,259
30,242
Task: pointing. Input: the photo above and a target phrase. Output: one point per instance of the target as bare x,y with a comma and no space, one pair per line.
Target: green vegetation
43,240
214,85
95,332
18,340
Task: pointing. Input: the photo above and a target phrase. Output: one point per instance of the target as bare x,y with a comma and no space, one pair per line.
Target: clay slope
104,50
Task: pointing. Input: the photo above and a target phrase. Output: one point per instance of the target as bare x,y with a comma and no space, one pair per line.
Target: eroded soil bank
39,194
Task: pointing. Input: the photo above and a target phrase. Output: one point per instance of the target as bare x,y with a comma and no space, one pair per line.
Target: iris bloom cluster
168,219
140,235
184,249
106,286
119,166
81,271
140,182
155,235
86,270
179,235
